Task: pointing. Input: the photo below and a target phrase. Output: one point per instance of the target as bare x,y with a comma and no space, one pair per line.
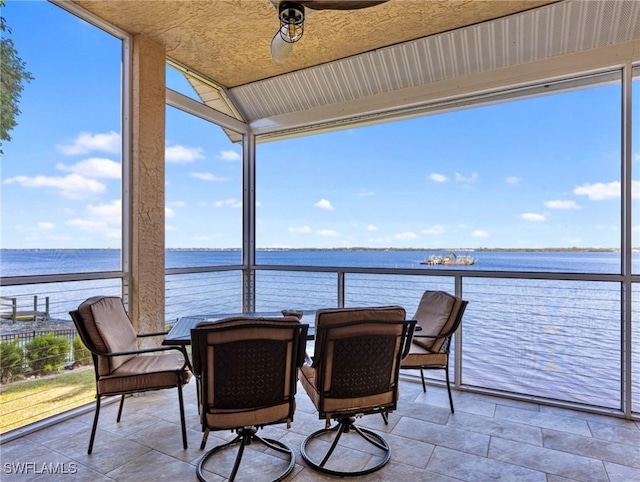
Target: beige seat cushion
336,406
338,316
218,419
109,329
144,372
436,314
256,392
335,316
422,357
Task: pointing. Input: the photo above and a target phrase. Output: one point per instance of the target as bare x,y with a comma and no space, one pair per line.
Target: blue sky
539,172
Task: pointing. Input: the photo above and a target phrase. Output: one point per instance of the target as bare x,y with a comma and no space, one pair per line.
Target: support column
147,185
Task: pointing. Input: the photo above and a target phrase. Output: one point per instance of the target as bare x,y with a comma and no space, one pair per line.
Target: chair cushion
422,357
144,372
109,329
335,316
218,419
339,406
363,398
247,370
433,314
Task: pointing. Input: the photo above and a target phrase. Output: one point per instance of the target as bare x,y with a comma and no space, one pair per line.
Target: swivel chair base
346,425
245,437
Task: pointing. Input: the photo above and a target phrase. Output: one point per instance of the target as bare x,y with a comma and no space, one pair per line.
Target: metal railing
555,337
552,337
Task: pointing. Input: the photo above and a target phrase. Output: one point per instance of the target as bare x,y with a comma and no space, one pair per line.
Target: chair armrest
302,346
142,335
144,350
409,337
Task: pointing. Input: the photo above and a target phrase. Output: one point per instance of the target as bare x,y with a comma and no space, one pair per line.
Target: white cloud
461,178
168,212
94,167
86,142
102,218
182,154
513,180
229,155
435,177
45,226
372,227
479,233
365,193
406,236
324,204
207,176
231,202
559,204
300,229
534,217
435,229
599,191
108,213
327,232
73,186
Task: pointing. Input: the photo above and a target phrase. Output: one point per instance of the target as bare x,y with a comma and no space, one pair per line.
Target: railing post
457,359
340,289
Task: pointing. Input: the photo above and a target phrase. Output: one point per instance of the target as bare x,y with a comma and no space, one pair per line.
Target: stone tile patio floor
488,438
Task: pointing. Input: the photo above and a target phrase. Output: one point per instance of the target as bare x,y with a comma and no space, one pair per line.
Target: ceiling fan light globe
280,49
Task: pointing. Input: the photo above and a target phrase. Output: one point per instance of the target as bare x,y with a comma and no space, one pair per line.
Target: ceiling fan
291,16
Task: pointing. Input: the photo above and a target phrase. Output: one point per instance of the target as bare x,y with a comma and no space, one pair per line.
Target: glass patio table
180,333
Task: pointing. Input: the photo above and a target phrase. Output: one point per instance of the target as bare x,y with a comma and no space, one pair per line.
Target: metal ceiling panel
549,31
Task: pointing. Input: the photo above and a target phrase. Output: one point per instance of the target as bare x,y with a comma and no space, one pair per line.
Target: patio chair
439,315
121,368
354,372
246,369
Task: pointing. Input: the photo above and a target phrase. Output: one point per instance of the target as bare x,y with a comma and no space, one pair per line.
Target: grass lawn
28,401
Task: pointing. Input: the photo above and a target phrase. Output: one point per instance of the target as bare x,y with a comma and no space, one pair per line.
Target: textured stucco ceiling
228,41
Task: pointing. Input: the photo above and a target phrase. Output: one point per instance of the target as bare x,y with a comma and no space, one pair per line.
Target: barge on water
451,259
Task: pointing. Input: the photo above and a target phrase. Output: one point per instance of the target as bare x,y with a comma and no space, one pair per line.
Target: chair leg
245,437
346,426
181,403
424,385
446,370
120,409
95,425
205,436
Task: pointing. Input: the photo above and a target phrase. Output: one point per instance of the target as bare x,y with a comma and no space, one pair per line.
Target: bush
46,353
10,360
80,352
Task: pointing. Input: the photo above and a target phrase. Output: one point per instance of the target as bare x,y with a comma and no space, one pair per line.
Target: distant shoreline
514,250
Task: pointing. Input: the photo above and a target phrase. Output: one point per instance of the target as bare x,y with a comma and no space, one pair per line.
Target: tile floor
486,439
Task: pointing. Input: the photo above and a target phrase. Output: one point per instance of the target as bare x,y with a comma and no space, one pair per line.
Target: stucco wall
146,295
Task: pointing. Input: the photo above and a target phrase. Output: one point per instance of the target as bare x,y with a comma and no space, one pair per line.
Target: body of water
549,338
18,262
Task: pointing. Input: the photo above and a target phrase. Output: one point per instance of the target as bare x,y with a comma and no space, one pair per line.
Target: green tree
13,74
